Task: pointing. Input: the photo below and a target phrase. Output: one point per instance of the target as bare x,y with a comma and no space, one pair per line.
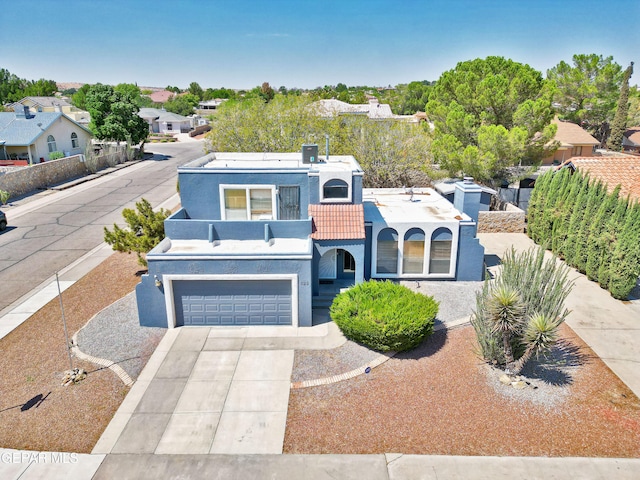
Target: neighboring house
54,104
612,171
373,110
161,96
572,141
631,140
210,106
32,137
260,235
161,121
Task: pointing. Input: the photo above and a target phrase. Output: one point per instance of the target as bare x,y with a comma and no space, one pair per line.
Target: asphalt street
67,224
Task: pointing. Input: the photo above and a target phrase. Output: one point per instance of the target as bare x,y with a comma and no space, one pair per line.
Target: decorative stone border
114,367
372,364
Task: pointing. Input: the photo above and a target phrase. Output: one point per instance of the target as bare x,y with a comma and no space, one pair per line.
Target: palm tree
505,311
540,333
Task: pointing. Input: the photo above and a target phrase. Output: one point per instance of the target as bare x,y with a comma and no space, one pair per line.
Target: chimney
467,197
22,111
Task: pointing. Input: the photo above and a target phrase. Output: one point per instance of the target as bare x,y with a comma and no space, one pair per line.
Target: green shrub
384,316
56,155
4,197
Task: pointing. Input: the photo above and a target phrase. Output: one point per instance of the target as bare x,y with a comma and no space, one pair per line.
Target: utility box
310,153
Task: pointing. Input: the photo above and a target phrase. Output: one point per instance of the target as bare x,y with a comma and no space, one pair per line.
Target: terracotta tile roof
572,134
337,222
618,170
161,97
633,135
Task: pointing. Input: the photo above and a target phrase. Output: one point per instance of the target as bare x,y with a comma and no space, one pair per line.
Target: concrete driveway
213,390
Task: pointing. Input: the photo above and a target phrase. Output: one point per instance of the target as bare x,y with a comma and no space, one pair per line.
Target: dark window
335,189
440,254
387,257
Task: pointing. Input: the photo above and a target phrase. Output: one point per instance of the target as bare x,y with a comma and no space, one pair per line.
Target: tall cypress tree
570,245
549,211
597,234
625,262
596,195
535,209
610,240
619,124
561,227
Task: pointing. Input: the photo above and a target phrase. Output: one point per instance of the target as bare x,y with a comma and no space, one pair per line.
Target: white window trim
346,199
167,281
247,187
402,231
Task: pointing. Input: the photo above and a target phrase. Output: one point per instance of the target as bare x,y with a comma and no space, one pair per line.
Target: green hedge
384,316
593,230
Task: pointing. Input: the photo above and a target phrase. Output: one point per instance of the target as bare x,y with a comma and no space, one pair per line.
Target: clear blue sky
301,43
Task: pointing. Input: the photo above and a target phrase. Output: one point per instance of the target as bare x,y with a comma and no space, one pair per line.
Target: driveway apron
202,392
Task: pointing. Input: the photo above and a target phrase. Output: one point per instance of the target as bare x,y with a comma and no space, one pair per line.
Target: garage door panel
233,302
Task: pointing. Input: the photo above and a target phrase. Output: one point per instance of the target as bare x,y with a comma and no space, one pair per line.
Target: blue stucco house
260,234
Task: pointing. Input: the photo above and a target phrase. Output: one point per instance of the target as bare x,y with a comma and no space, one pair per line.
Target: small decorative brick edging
372,364
344,376
115,368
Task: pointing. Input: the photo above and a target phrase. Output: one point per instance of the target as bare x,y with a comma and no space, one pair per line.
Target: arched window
413,251
74,140
387,257
51,143
440,254
335,189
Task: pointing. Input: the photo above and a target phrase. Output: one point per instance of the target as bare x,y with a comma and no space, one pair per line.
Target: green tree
619,125
196,90
597,235
133,93
597,192
79,99
392,154
569,247
266,92
634,107
13,88
610,238
489,114
182,104
410,98
587,91
568,206
625,261
211,94
145,230
114,116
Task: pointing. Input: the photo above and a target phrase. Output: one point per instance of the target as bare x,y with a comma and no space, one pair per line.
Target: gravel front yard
440,399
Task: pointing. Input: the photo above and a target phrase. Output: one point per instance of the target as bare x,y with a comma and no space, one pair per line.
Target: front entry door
346,265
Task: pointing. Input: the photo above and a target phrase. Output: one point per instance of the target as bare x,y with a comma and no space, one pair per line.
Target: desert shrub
56,155
384,316
541,287
4,197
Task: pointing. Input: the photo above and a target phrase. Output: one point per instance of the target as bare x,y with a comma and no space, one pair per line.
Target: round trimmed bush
384,316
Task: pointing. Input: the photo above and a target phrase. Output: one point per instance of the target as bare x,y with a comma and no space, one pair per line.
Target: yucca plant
510,308
540,334
505,310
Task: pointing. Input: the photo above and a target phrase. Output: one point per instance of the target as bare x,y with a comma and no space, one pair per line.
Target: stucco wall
61,130
151,303
510,220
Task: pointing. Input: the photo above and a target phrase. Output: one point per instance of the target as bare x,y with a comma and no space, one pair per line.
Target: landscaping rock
505,379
